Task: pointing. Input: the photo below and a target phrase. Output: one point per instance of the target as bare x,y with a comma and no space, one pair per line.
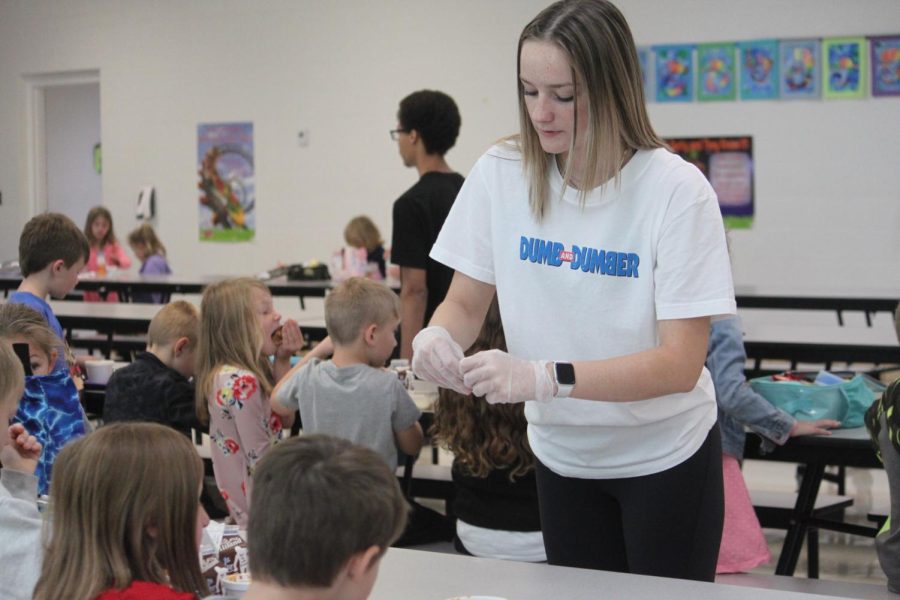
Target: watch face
565,373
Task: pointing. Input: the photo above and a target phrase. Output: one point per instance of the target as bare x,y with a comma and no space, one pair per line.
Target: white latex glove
501,377
436,358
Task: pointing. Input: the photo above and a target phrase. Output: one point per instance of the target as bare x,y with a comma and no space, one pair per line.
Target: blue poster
800,69
674,73
759,70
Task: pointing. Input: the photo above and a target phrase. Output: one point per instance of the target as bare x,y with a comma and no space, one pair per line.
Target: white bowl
98,371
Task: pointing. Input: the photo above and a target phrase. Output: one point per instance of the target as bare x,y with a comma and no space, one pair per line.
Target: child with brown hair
239,330
361,232
352,511
52,251
50,408
156,387
127,521
496,501
20,522
105,250
150,251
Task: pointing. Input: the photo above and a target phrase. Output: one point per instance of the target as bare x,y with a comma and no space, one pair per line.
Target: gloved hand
436,358
501,377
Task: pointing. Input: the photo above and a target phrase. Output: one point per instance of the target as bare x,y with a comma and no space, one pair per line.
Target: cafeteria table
406,573
844,447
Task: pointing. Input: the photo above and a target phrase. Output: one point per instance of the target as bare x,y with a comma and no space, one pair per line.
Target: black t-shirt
419,215
148,390
495,502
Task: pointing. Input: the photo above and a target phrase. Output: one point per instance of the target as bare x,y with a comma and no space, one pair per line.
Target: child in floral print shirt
240,329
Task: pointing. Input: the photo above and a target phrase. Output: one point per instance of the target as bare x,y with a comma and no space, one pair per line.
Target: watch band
564,374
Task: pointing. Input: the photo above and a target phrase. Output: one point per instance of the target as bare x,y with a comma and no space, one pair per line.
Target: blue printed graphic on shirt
600,261
50,411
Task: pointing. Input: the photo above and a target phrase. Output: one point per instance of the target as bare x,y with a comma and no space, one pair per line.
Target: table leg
803,511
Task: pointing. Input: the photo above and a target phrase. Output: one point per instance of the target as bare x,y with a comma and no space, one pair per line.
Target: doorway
63,133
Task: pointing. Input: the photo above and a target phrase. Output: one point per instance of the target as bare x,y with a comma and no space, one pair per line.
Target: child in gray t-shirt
350,396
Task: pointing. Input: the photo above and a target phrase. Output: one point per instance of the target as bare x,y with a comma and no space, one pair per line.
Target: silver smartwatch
564,374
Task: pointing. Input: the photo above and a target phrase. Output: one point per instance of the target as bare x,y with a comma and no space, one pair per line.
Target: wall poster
844,63
727,162
227,184
885,65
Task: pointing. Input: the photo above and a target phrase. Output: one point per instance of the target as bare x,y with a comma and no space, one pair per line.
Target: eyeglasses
395,133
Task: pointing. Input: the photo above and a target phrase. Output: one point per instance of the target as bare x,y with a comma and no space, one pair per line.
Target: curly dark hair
484,437
434,115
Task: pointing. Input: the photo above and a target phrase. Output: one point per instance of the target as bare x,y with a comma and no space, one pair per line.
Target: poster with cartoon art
227,187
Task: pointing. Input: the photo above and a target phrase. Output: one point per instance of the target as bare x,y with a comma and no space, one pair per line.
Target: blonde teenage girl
240,329
152,254
106,252
607,253
127,519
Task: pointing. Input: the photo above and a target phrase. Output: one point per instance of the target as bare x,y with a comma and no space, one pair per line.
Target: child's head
176,329
20,324
361,232
363,310
98,227
237,320
336,505
125,502
52,241
12,383
484,437
144,242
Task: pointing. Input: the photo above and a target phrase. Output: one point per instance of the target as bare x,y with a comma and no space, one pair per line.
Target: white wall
72,117
827,178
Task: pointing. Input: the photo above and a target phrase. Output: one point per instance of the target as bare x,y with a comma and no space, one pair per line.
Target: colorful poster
759,70
644,58
227,184
844,64
800,69
674,73
716,72
727,162
885,65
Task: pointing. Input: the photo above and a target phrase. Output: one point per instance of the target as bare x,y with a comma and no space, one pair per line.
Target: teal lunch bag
845,402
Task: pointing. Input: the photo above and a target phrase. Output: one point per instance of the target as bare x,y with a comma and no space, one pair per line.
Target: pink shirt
114,256
242,427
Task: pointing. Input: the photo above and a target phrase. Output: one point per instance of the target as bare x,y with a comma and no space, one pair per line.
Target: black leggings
668,524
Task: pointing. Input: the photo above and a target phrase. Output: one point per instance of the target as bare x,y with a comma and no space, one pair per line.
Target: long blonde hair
146,236
484,437
229,335
12,375
124,501
596,38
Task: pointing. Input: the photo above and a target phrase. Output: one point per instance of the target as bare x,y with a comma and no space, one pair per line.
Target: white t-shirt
590,282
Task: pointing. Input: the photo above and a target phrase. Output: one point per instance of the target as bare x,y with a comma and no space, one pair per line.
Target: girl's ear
54,354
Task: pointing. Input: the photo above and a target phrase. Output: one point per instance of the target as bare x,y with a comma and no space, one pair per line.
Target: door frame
36,86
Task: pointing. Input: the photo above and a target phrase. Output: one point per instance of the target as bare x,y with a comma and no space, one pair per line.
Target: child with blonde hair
239,330
106,252
361,232
127,520
20,522
350,396
50,408
150,251
156,387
